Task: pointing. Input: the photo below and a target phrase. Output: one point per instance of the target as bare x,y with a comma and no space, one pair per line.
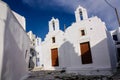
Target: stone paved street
61,75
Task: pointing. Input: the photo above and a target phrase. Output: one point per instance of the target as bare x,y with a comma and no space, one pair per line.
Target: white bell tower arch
81,14
53,24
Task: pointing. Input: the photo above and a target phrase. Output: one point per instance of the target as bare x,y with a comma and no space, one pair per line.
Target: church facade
85,47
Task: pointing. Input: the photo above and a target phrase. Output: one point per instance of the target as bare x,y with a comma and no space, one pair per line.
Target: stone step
58,75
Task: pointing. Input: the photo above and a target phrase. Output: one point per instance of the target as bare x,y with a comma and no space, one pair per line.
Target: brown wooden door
86,53
54,56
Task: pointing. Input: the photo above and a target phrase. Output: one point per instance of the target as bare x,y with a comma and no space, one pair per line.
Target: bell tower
81,14
53,24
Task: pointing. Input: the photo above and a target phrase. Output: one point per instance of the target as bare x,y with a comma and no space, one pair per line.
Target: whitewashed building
32,38
36,51
20,19
86,47
116,38
54,40
39,54
14,45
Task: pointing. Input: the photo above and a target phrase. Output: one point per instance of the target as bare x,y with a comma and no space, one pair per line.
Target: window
26,53
37,41
33,44
53,25
81,14
115,37
38,59
53,39
82,32
33,40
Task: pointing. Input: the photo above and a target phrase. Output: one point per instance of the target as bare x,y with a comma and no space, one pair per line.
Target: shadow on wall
102,57
15,45
14,65
66,55
100,54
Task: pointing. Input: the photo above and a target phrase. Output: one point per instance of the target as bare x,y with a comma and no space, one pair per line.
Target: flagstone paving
61,75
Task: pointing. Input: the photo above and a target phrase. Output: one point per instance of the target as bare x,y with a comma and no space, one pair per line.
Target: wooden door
54,57
85,53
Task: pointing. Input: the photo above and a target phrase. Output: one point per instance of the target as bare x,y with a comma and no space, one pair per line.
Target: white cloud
95,7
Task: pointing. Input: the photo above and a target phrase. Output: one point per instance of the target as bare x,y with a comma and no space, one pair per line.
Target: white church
85,47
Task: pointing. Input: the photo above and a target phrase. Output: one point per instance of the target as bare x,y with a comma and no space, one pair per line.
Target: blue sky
39,12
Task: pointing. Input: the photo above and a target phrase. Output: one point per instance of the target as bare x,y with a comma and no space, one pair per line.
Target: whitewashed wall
47,45
14,44
99,42
112,51
20,19
68,44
